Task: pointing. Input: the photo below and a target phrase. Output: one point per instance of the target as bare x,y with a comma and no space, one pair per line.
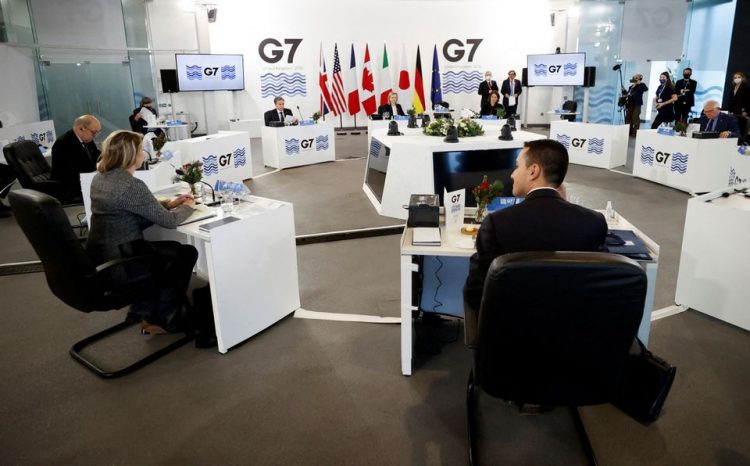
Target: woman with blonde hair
122,207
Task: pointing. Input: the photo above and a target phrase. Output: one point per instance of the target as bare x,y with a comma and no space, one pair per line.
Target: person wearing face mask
665,99
739,99
634,103
685,89
486,87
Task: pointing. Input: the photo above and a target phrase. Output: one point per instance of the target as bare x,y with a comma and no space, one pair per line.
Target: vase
481,212
193,189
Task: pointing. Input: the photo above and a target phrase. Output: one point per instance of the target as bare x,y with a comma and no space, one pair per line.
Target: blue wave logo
239,157
35,137
679,163
647,155
210,165
540,70
19,139
286,84
596,146
375,147
227,72
167,155
734,179
564,139
601,103
291,146
194,72
712,89
570,69
321,143
461,82
49,136
742,150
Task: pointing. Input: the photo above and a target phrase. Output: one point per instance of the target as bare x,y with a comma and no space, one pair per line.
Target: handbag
646,384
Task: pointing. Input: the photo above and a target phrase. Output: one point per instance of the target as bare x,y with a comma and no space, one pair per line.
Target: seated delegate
493,105
279,113
143,116
122,207
74,153
713,120
392,108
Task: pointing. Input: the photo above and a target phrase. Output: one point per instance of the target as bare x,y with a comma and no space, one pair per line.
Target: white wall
18,99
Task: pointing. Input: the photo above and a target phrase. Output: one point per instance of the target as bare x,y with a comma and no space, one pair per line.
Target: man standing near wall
634,103
685,89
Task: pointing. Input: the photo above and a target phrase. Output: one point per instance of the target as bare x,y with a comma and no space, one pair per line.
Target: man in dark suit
74,153
713,120
685,89
392,108
545,221
486,87
279,113
511,88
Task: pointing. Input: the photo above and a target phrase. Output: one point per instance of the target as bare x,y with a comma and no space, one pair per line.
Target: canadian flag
368,86
404,81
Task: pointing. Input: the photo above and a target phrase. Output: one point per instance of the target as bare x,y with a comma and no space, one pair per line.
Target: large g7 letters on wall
275,54
456,54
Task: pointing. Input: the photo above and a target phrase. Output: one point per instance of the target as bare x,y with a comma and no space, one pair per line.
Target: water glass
227,202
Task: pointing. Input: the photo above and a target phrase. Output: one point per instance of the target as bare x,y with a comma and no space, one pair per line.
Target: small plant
316,116
411,111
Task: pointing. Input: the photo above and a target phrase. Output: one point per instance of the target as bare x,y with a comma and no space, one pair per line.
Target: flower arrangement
500,113
466,127
681,127
411,111
316,116
484,194
190,173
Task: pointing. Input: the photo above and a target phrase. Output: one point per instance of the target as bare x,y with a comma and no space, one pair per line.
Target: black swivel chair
74,279
569,106
32,170
554,329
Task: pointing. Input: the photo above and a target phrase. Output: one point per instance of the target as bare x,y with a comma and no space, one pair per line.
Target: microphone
213,202
617,67
300,113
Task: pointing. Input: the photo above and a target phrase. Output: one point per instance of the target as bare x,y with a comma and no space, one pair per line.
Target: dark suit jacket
505,89
739,102
387,108
485,89
543,222
139,125
724,123
273,115
70,158
488,109
690,85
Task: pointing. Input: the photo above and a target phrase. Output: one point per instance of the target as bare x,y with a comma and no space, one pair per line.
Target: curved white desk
405,167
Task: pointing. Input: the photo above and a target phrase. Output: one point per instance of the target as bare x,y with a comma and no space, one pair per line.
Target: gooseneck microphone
213,202
300,113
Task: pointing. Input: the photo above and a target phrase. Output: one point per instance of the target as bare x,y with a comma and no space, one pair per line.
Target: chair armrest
105,267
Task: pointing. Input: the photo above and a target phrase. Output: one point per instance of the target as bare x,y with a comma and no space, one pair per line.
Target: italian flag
385,79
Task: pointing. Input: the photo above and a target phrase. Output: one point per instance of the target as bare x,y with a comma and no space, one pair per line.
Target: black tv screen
377,166
465,169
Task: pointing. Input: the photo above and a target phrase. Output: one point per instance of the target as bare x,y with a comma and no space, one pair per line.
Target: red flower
484,185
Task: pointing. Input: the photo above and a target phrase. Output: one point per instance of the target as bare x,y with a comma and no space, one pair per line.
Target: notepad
201,212
426,236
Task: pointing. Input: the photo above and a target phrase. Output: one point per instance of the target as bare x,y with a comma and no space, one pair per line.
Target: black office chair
570,106
32,170
74,279
554,329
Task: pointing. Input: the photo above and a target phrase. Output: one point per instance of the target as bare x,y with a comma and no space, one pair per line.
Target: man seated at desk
392,108
545,221
713,120
74,153
279,113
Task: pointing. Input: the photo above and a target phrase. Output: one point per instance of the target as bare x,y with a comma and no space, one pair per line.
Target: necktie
711,124
281,116
511,87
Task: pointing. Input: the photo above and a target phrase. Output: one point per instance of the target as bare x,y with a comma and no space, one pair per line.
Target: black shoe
204,340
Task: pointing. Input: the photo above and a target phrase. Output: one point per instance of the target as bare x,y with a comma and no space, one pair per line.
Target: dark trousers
682,111
510,110
662,118
633,118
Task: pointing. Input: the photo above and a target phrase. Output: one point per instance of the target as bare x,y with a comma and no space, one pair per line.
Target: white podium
712,277
253,127
294,146
687,164
226,155
593,145
41,132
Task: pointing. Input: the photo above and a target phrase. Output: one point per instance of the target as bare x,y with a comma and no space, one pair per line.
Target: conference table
446,267
298,145
590,144
226,155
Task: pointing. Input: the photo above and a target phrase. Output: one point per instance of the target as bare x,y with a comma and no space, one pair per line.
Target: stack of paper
426,236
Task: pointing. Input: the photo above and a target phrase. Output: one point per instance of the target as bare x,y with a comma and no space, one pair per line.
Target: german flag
418,100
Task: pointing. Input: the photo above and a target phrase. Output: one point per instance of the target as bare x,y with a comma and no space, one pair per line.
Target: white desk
739,168
409,167
251,266
295,146
253,128
593,145
226,155
449,250
176,132
712,277
687,164
41,132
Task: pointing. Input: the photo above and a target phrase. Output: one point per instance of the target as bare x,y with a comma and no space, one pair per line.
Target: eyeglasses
92,131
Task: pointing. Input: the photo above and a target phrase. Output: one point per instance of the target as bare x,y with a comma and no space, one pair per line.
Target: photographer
634,102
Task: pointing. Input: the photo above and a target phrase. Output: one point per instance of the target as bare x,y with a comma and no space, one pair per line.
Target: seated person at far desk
544,221
279,113
392,108
493,105
713,120
74,153
122,207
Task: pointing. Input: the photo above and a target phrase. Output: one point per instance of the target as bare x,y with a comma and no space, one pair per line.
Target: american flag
338,99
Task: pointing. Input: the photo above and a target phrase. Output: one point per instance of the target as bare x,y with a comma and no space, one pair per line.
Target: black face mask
632,80
686,76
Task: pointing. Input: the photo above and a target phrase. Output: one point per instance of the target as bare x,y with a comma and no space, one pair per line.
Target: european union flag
436,92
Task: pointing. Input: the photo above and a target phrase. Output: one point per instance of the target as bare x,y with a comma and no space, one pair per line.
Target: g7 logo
554,68
455,198
211,71
306,143
575,142
225,159
662,157
458,54
276,54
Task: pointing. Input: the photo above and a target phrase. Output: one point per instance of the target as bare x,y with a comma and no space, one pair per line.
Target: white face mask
488,77
737,80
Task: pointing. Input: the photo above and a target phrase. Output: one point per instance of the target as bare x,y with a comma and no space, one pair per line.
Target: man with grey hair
634,102
277,114
712,120
74,153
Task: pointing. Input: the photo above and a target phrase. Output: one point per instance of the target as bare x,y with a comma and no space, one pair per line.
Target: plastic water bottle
611,214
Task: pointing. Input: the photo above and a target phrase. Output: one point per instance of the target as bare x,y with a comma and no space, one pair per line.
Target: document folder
627,243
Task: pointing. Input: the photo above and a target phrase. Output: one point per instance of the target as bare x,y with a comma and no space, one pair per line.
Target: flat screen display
465,169
377,167
198,72
557,69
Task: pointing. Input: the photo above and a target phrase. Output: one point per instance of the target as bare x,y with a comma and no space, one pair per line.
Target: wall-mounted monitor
200,72
557,69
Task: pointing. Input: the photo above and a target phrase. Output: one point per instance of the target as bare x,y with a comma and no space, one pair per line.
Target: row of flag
351,92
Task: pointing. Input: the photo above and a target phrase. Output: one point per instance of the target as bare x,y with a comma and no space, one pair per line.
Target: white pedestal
41,132
593,145
739,168
226,155
712,277
294,146
253,127
687,164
